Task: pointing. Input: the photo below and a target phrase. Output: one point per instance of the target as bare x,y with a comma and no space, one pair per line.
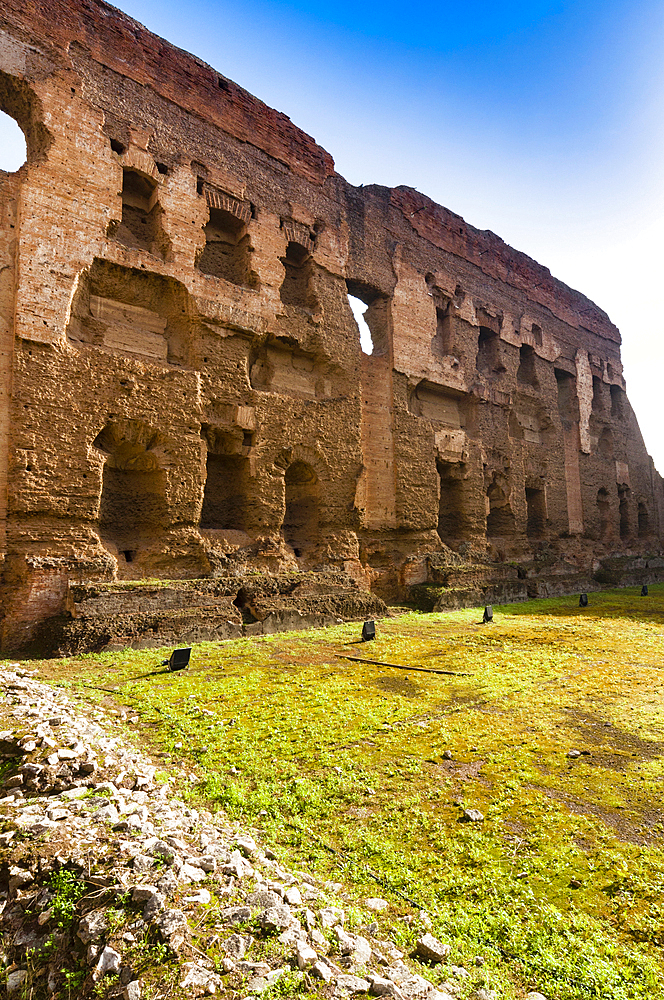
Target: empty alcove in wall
442,341
500,522
624,512
527,371
568,403
453,515
132,508
617,402
489,359
598,396
297,286
225,497
371,310
605,444
536,512
141,225
644,521
133,311
301,527
604,511
227,251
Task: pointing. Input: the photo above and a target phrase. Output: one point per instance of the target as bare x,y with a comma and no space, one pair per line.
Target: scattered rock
329,916
321,971
92,926
199,980
376,904
573,753
304,955
132,991
380,987
109,961
431,949
236,946
473,816
353,984
293,897
173,927
276,918
15,981
535,996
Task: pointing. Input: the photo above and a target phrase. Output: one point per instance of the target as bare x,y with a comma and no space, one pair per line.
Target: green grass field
342,768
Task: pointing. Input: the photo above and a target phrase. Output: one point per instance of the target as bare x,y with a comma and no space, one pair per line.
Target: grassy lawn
360,773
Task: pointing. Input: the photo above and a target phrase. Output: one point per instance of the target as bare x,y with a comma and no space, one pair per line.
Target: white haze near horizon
594,220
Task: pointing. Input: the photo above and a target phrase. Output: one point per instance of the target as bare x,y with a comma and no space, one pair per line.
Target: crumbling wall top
122,44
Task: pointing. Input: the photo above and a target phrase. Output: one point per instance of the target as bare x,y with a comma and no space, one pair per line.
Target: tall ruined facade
183,394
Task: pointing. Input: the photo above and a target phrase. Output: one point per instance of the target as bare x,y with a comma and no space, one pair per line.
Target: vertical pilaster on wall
379,480
584,391
8,229
573,479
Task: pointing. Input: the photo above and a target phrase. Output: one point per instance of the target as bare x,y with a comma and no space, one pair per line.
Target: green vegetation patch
361,772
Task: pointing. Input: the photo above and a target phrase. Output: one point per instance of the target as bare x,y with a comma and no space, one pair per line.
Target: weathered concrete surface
182,389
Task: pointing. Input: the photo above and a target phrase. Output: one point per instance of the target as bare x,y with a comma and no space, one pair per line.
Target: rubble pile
113,886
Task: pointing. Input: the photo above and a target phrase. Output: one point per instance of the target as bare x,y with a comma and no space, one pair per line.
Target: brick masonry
182,389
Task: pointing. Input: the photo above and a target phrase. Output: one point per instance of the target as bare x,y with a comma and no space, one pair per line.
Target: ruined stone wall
182,389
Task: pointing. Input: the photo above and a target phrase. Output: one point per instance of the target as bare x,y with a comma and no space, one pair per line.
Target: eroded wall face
182,386
9,190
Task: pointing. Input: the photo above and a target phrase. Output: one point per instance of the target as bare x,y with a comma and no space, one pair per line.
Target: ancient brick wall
182,389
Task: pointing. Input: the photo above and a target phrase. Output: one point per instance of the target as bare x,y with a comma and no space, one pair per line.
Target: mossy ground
340,764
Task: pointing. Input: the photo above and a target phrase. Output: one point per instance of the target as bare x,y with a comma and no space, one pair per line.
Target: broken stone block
92,926
173,927
108,961
276,918
304,955
431,949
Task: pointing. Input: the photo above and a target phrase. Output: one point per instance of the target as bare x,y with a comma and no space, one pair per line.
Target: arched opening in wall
132,507
527,371
227,251
605,444
23,136
598,395
623,508
617,402
13,147
371,310
644,521
452,514
489,361
225,496
297,286
568,404
500,522
604,511
301,527
536,512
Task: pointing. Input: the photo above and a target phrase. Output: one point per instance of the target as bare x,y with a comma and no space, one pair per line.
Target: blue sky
542,121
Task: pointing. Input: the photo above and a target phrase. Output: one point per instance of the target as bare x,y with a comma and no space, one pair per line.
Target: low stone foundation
112,616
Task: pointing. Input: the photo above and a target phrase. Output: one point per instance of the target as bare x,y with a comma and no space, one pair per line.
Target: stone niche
290,371
133,312
529,421
133,511
450,414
